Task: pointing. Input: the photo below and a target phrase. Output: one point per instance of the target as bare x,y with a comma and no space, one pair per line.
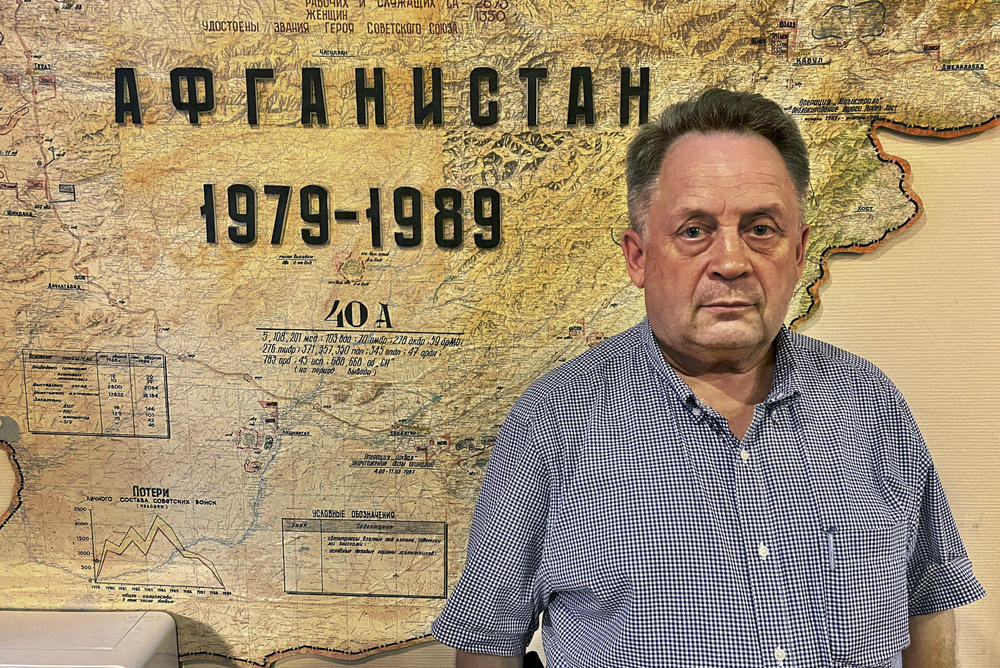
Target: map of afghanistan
273,273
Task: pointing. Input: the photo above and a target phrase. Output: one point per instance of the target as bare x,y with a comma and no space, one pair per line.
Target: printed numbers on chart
489,11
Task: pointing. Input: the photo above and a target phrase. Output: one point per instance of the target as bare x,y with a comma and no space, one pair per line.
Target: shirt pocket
866,594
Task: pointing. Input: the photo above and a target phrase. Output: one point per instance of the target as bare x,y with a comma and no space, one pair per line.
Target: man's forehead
702,143
708,174
724,159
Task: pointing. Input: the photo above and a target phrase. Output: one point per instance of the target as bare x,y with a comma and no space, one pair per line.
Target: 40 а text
243,204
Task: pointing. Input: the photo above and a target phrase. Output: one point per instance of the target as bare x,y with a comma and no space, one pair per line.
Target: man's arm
932,641
466,660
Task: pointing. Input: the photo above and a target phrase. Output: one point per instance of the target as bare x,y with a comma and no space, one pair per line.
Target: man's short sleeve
495,606
939,573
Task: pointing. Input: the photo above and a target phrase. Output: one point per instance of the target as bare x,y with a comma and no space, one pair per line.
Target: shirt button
696,411
779,654
745,454
763,552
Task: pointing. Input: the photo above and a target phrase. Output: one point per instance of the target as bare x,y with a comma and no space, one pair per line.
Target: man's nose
729,259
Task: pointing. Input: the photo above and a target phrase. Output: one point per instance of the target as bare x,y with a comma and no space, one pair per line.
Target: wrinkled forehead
719,175
725,160
717,139
722,154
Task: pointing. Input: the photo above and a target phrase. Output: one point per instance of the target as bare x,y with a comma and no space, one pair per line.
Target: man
709,488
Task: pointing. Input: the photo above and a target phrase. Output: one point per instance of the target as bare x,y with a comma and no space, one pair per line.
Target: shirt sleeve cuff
478,641
945,586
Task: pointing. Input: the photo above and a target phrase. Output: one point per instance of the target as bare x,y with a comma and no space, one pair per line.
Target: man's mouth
728,305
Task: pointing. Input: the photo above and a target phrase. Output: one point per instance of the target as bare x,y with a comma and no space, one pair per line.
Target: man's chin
731,336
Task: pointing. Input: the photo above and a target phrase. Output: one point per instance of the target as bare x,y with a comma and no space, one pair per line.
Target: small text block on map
96,393
365,557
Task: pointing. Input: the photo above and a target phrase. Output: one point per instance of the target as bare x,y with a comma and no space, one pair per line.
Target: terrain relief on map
272,274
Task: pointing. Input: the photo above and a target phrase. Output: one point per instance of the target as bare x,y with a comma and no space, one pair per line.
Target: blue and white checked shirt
624,508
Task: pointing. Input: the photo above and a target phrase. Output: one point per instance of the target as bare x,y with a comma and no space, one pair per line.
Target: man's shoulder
610,361
822,362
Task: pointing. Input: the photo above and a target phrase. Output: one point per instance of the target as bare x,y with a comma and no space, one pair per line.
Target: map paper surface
272,274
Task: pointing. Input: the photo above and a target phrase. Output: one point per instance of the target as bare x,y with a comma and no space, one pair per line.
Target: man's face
723,248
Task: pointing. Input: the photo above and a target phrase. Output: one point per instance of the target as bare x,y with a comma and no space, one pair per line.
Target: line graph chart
157,556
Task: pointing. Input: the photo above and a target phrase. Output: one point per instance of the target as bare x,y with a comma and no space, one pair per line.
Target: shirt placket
760,547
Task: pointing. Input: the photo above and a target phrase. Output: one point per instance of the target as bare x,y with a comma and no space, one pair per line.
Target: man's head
713,111
715,197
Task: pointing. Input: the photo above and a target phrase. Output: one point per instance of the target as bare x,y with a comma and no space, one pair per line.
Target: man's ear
634,249
800,252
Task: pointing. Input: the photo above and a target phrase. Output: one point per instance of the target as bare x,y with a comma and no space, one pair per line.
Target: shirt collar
786,378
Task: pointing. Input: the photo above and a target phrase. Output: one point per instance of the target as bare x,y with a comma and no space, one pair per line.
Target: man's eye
692,232
761,230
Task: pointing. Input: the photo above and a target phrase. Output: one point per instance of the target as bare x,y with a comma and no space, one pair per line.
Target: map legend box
365,557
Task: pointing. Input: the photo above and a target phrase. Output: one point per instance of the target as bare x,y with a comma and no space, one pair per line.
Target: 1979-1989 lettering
314,210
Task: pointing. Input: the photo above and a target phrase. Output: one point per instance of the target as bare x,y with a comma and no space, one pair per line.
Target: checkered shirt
623,507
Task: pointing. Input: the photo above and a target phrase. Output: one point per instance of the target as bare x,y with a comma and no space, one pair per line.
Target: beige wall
924,307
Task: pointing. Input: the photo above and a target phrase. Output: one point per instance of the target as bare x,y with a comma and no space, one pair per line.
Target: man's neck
732,387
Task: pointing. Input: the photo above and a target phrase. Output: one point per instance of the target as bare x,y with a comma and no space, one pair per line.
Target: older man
709,488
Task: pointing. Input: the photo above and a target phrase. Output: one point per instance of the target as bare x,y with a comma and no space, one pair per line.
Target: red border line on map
904,185
15,500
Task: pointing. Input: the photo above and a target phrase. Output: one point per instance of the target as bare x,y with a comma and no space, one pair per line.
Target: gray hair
713,111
